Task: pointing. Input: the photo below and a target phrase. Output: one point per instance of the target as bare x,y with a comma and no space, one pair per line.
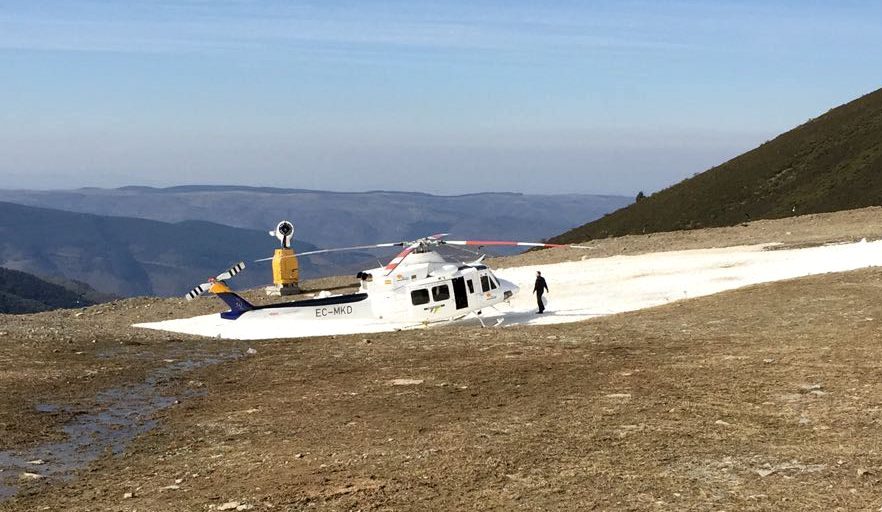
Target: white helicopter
418,287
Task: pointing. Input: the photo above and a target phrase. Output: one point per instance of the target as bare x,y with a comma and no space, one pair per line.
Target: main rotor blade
507,243
339,249
356,248
398,259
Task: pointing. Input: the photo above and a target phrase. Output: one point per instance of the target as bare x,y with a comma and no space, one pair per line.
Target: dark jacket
541,286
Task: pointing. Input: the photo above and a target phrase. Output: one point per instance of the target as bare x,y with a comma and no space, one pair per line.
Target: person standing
539,288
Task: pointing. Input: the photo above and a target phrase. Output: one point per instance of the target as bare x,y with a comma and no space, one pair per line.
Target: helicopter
418,287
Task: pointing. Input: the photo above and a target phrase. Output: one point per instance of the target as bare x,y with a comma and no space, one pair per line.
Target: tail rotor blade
232,271
199,290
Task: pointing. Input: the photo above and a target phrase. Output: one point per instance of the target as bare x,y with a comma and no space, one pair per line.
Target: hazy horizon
628,171
293,189
441,97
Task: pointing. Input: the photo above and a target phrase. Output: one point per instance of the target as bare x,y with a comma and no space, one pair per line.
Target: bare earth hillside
830,163
764,398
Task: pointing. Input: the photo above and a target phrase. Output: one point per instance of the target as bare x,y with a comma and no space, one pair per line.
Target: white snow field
580,290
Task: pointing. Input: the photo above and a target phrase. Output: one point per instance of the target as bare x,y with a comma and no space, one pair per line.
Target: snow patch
590,288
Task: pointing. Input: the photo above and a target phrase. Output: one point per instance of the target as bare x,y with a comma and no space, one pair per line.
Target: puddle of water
120,415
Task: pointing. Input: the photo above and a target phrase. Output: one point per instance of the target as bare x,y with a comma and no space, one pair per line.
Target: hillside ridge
21,292
331,219
830,163
127,256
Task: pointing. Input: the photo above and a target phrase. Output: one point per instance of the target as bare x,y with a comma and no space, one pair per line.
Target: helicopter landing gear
483,325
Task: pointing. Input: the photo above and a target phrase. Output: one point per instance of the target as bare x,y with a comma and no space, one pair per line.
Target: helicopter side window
471,286
485,283
493,283
440,293
419,297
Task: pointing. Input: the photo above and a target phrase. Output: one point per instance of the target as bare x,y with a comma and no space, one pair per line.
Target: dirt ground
764,398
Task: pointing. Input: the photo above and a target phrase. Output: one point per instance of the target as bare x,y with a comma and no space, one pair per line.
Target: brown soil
764,398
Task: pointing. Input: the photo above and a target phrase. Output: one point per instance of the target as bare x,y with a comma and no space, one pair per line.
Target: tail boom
238,305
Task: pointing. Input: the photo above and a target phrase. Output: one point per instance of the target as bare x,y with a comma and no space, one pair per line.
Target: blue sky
444,97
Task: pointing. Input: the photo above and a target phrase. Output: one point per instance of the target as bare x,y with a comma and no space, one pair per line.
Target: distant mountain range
125,256
831,163
334,219
21,292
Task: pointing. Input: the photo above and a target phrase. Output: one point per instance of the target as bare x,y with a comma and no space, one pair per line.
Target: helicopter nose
509,289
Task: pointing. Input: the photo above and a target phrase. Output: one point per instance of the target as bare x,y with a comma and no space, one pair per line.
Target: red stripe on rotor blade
398,259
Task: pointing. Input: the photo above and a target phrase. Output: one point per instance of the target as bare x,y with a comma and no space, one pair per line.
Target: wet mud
118,416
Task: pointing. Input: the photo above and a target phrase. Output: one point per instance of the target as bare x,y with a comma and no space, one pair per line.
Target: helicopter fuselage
428,289
417,287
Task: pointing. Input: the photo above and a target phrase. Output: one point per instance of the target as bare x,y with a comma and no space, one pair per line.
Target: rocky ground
764,398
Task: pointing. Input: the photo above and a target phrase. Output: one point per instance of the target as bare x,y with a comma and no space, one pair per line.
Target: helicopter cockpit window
440,293
471,286
493,283
419,297
485,283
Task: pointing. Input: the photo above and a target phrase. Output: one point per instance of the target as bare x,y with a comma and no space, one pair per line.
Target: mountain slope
126,256
21,292
334,219
831,163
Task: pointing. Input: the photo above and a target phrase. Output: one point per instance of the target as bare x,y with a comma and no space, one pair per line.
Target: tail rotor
204,287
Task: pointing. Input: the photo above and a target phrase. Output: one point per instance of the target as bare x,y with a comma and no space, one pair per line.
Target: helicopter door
459,293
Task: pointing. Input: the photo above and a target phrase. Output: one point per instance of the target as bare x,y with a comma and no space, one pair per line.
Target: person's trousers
539,301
